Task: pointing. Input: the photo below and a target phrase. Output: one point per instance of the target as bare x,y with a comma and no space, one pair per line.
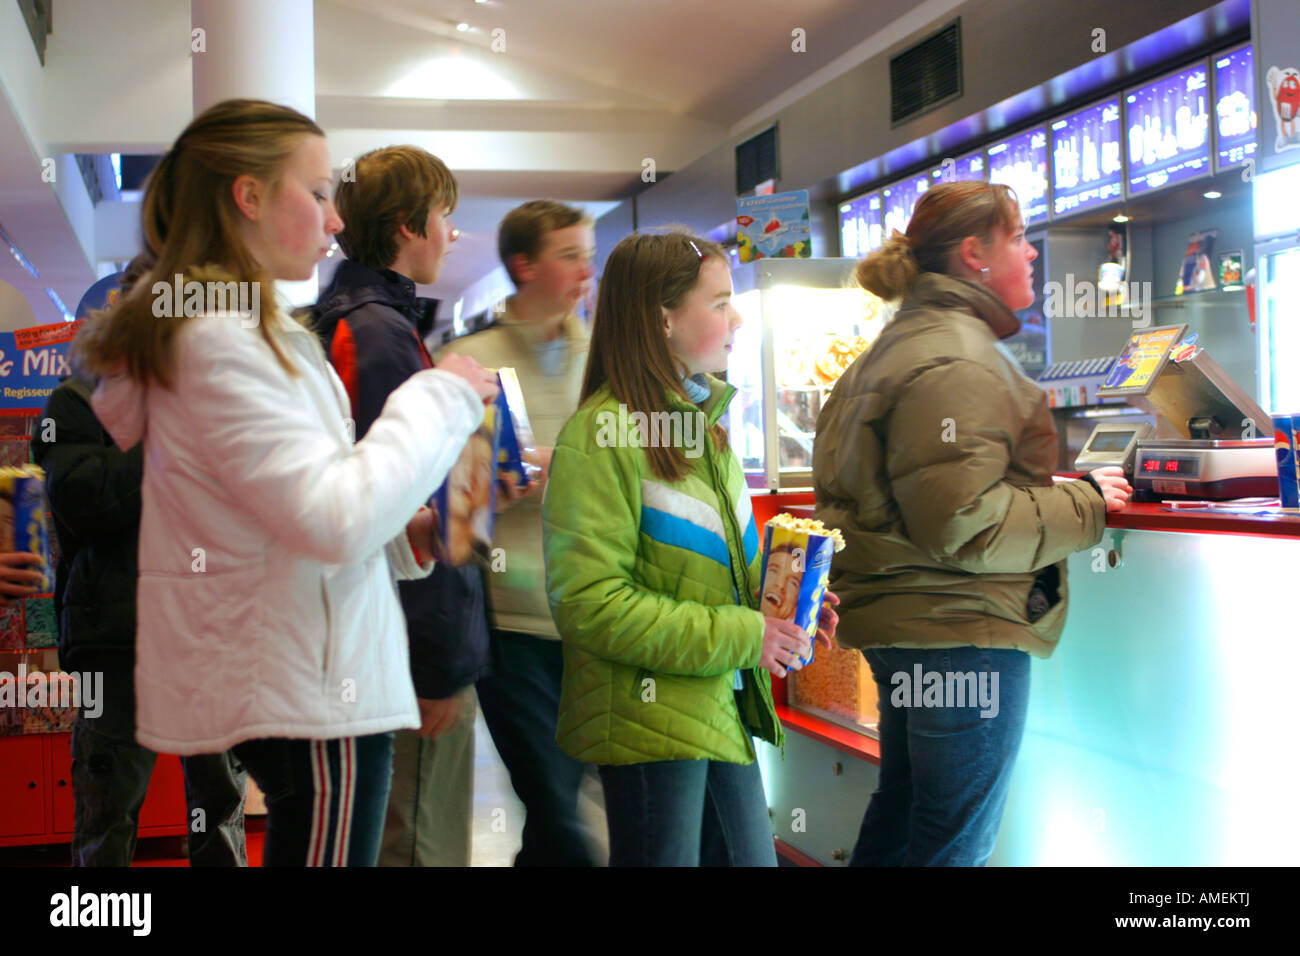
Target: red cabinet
23,787
36,803
61,783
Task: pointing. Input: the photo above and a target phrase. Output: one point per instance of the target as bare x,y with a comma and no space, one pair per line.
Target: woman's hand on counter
827,621
1114,486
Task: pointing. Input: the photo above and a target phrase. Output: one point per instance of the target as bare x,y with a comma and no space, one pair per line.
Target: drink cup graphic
1284,443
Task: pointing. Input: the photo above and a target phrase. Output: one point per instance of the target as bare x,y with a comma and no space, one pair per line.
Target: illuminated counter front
1159,733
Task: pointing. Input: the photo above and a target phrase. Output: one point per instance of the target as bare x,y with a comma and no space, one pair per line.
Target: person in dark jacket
94,495
396,233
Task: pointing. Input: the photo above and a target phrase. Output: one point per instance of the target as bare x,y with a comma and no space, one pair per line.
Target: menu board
861,225
1086,166
1234,107
1021,163
900,199
1168,130
961,170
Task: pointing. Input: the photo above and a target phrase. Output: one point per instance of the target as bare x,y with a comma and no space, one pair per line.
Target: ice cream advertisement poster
773,227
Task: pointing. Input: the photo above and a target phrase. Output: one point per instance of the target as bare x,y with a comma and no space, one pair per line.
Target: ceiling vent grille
756,161
926,75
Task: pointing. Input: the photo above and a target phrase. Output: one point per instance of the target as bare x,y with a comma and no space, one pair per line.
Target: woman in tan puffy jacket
934,455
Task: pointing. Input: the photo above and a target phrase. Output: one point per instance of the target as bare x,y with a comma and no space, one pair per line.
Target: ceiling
557,98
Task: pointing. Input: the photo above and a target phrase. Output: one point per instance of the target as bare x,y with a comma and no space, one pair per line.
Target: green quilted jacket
651,585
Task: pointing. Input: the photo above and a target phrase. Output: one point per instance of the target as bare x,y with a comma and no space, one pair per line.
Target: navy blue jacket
369,323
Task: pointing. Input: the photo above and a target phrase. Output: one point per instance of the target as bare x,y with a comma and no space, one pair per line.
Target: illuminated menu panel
960,170
1086,166
900,199
1168,131
1234,107
861,226
1021,163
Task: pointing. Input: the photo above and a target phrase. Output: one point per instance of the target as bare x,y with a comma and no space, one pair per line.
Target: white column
261,50
257,50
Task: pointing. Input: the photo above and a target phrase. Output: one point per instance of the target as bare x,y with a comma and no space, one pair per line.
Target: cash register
1206,446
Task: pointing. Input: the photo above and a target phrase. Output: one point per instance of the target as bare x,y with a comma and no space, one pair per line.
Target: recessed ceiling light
1120,218
1213,194
462,27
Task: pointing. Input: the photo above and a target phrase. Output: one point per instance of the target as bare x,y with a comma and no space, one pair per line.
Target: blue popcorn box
464,505
796,569
22,517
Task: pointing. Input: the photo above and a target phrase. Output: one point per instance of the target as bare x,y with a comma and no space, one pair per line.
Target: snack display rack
805,323
36,801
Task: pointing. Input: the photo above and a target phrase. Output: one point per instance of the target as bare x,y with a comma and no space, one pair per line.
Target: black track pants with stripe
325,799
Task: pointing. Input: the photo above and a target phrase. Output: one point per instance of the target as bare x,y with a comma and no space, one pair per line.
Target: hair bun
889,271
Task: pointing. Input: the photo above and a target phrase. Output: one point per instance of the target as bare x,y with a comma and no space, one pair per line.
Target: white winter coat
266,606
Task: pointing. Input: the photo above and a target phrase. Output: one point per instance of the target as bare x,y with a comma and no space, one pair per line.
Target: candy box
22,516
464,504
516,432
796,567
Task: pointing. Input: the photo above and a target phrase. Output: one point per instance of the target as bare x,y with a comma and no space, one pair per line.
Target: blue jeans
687,813
944,770
521,706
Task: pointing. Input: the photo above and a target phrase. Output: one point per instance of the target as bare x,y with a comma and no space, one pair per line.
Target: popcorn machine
805,322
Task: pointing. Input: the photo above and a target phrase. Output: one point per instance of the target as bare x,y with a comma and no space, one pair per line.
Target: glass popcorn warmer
805,323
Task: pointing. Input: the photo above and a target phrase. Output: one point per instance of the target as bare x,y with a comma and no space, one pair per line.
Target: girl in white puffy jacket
268,622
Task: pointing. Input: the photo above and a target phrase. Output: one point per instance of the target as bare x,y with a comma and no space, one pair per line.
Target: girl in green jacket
652,567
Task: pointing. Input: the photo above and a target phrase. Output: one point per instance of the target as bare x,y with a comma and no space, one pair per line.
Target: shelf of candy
11,716
46,699
49,720
36,701
41,630
13,451
837,685
13,635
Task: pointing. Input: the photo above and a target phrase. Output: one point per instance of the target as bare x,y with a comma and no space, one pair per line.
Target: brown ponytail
944,217
644,275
